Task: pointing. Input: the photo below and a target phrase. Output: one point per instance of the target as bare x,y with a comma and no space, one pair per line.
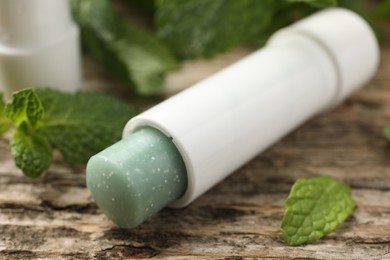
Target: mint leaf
25,107
147,5
5,123
320,3
134,54
31,151
82,124
194,28
314,208
203,28
383,9
386,132
285,13
79,125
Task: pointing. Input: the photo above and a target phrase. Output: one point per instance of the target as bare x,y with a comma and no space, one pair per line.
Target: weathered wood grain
55,217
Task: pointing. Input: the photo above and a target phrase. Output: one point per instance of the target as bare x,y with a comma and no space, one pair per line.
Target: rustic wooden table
55,218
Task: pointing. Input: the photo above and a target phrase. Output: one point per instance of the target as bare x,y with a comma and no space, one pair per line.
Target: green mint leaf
79,125
314,208
30,148
25,107
5,122
386,132
319,3
82,124
383,9
194,28
285,13
132,53
147,5
31,151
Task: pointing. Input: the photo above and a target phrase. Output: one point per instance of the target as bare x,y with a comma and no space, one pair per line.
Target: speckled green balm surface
136,177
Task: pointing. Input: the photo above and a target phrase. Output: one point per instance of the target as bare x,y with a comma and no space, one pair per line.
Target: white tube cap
39,46
348,39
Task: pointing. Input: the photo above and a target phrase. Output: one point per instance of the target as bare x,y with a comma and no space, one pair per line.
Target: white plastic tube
39,45
224,121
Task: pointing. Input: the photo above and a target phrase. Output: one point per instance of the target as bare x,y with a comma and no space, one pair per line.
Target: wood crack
126,250
79,208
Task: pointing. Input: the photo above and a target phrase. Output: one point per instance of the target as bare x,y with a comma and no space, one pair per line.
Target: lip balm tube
174,152
39,46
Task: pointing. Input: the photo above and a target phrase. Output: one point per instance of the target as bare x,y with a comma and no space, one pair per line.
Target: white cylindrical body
39,45
224,121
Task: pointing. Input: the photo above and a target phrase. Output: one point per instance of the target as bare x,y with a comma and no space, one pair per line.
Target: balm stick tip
136,177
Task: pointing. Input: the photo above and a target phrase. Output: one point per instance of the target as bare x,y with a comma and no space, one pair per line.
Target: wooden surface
55,217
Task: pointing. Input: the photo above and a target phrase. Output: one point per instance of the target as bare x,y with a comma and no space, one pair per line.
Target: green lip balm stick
174,152
137,177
